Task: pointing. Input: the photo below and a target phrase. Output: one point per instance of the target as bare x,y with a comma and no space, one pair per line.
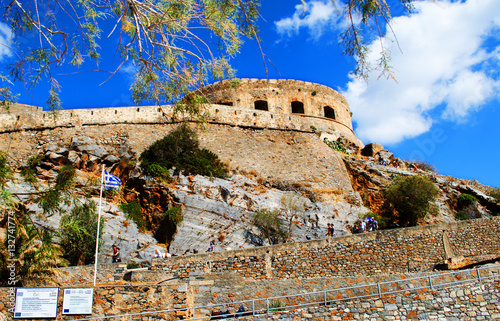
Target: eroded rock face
264,165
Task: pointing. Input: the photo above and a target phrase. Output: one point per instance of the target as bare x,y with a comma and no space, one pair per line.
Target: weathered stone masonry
325,110
389,251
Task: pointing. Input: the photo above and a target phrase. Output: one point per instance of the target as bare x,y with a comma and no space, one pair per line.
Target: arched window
261,105
329,112
297,107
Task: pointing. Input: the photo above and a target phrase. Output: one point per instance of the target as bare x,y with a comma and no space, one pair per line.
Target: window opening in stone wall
297,107
329,112
138,109
71,115
116,112
261,105
225,103
43,115
91,113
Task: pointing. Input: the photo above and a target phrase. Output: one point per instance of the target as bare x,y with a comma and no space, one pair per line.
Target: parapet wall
282,96
23,117
401,250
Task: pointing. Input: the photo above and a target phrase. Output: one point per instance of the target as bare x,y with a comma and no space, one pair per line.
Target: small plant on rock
277,305
270,224
133,211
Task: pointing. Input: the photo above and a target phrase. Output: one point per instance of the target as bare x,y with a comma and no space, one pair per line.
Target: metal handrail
264,305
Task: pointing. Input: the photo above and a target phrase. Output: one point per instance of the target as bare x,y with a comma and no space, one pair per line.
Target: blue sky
443,109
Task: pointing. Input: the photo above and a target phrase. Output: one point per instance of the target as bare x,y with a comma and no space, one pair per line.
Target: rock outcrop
264,165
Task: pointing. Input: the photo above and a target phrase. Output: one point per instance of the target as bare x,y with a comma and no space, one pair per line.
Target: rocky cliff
264,165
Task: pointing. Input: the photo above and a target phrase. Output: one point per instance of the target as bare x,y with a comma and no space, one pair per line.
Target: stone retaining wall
470,302
389,251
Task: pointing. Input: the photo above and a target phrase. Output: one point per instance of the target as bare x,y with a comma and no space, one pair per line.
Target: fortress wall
389,251
280,94
20,119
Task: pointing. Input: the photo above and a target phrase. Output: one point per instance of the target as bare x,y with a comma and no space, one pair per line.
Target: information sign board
78,301
33,303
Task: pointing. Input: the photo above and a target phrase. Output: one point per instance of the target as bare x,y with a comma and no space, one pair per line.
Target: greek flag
111,181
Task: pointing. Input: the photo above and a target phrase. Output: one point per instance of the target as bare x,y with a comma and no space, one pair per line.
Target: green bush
133,211
270,224
335,145
408,199
277,305
461,216
167,228
159,172
180,149
132,265
78,232
173,216
466,200
5,170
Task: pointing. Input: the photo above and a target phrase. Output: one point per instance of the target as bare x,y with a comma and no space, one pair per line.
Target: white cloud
5,41
445,70
314,16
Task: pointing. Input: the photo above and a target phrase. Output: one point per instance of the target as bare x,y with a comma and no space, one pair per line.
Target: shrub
270,224
78,233
5,170
174,216
234,83
159,172
409,199
466,200
495,193
180,149
133,211
335,145
28,172
425,166
461,216
132,265
277,305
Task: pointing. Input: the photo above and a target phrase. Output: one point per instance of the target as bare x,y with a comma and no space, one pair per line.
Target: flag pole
98,227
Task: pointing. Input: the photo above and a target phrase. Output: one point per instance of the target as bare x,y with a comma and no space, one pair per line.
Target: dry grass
335,191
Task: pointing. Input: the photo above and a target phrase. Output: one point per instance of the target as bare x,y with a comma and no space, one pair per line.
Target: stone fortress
273,104
262,272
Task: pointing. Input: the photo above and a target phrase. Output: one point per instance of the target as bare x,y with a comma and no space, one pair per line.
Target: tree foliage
292,208
270,224
409,199
133,211
172,219
78,233
37,257
52,199
180,149
174,45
